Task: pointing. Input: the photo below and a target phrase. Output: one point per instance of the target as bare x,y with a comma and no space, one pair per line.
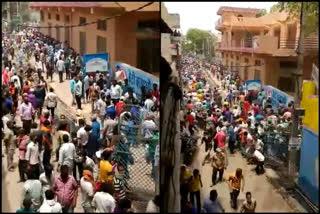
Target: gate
136,154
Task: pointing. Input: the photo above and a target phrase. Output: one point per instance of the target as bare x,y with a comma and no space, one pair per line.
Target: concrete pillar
229,38
283,35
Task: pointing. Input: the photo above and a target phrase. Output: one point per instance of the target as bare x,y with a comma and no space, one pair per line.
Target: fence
136,154
276,146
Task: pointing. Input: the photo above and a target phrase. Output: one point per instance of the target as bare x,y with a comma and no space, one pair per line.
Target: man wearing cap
219,164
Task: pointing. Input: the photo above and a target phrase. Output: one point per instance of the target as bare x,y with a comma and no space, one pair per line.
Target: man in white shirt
116,92
82,133
32,189
103,201
33,156
87,192
109,124
78,92
259,157
148,126
67,153
16,81
101,108
148,104
50,205
60,68
51,101
47,179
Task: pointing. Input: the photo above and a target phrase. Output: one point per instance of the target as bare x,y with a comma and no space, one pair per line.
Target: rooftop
238,9
125,5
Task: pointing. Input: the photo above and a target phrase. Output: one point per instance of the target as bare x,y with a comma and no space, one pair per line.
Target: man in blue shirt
111,110
72,87
212,204
95,127
232,138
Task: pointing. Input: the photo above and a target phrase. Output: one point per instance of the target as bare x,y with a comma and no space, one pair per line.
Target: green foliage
196,38
294,9
261,13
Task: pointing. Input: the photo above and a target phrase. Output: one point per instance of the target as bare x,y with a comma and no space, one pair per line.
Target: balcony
220,23
270,45
175,39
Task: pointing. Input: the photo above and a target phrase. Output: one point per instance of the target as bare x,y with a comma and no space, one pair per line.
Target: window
83,47
288,64
49,16
227,55
257,74
246,60
237,58
82,20
286,84
222,54
49,29
246,73
154,24
58,33
102,25
101,44
231,56
41,16
57,17
67,18
257,62
67,34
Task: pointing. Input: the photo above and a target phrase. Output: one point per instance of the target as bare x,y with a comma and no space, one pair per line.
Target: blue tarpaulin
138,78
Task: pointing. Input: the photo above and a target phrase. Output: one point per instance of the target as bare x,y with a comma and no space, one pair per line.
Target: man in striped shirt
119,183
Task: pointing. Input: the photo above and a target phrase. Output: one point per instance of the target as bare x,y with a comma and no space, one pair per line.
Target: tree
261,13
294,8
199,40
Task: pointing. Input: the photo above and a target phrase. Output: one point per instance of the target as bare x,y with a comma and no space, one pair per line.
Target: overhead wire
88,23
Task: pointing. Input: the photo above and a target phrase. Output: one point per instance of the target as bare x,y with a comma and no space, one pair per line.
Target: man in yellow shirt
234,182
105,172
185,176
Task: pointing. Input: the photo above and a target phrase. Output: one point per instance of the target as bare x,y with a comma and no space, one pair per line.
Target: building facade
132,38
170,43
263,48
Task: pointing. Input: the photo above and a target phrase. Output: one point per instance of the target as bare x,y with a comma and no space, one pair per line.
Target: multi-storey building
132,38
264,48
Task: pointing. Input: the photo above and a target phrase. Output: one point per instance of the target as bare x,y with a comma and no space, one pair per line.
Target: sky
203,15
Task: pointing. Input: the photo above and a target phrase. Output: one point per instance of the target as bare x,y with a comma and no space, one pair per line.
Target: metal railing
136,154
309,44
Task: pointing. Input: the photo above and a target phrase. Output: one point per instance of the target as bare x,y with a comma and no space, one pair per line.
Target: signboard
253,85
277,96
315,75
96,62
138,78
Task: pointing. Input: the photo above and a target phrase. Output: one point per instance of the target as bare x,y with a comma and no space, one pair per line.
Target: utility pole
298,112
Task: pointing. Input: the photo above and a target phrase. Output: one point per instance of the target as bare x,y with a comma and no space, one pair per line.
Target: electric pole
298,112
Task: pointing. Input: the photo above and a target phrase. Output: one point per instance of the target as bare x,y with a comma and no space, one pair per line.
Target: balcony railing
309,44
268,45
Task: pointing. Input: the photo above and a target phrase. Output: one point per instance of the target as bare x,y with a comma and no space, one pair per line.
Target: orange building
263,48
133,38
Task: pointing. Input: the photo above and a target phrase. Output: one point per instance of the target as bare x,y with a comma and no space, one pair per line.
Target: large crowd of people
230,118
85,163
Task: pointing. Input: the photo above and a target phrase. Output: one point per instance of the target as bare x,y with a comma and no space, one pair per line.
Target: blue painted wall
308,180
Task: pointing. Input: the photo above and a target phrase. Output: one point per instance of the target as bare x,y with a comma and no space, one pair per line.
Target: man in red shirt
26,88
256,109
221,138
156,93
120,106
